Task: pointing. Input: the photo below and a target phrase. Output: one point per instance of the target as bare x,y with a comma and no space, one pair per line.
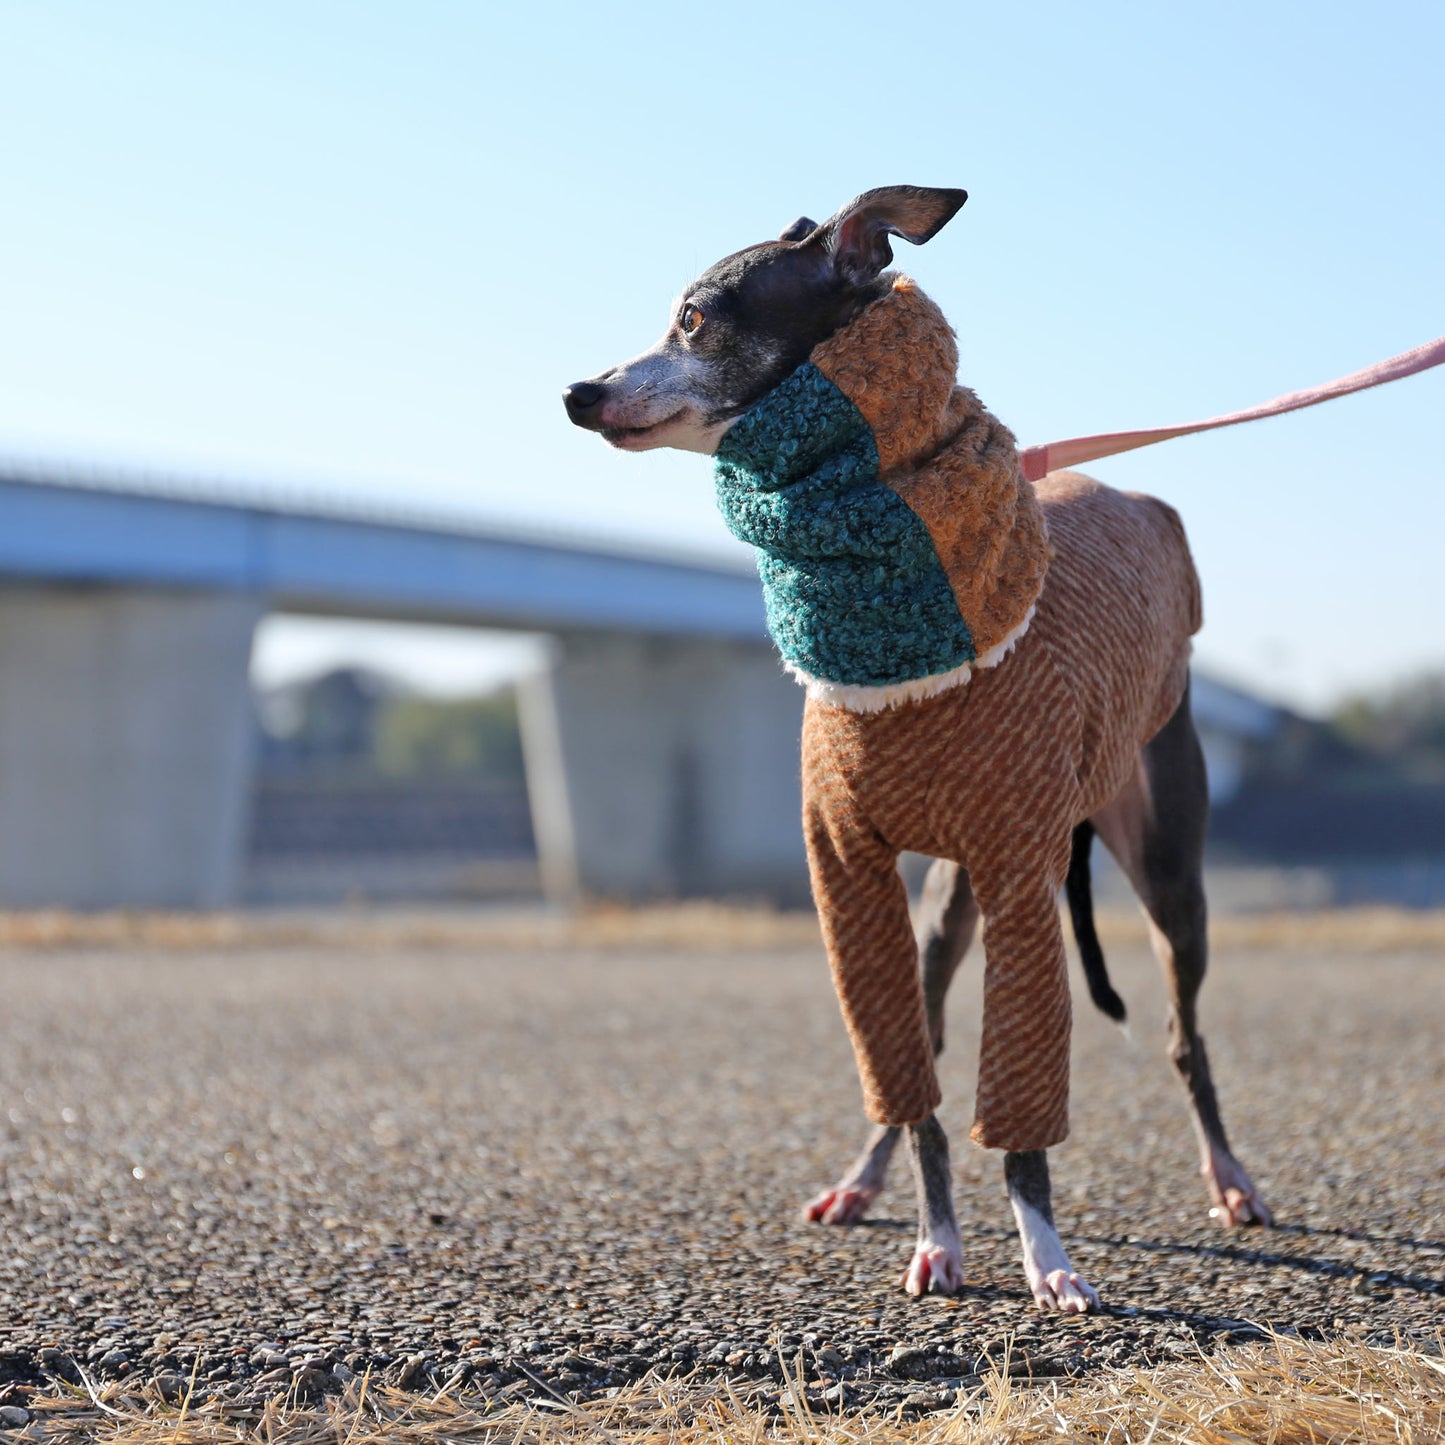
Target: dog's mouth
635,438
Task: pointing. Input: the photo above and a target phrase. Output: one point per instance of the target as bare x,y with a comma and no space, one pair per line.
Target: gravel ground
558,1171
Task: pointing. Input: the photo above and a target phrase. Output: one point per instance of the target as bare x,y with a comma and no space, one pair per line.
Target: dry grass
1280,1392
678,925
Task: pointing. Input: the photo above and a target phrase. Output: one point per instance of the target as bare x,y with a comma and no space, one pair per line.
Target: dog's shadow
1219,1327
1436,1246
1305,1263
1377,1279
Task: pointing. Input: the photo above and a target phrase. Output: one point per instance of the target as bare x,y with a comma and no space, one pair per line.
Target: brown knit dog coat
1081,601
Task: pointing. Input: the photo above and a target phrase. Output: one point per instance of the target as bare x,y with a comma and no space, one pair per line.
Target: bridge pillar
664,768
126,741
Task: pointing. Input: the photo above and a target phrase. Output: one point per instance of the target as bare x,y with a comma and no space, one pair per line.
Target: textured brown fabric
897,362
996,774
950,460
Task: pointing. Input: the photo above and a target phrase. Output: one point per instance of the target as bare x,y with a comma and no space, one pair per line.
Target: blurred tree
326,722
427,737
1405,725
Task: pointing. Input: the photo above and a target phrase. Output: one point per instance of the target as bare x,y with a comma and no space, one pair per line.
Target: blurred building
364,791
1236,729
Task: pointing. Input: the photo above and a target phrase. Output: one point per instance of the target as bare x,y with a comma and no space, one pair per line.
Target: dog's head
753,318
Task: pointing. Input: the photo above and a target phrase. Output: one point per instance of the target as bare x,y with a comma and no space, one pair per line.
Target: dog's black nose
581,400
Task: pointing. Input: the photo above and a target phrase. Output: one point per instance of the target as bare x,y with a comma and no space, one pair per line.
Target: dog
996,674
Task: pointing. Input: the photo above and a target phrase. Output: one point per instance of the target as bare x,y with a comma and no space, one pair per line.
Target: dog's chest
954,775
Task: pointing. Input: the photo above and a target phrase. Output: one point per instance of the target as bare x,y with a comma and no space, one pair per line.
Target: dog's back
1119,606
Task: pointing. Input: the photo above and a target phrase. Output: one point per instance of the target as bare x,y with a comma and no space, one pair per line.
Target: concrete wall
125,746
663,768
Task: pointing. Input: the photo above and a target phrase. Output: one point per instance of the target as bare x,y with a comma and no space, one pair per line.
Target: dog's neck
899,544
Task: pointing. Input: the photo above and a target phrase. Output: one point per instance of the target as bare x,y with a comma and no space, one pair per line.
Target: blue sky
360,248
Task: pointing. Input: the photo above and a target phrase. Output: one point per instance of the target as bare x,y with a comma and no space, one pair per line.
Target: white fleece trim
1001,650
853,697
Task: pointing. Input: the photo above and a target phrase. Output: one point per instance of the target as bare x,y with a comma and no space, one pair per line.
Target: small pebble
927,1400
114,1362
911,1362
413,1374
170,1386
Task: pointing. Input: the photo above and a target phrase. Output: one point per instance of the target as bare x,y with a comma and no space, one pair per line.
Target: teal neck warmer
855,593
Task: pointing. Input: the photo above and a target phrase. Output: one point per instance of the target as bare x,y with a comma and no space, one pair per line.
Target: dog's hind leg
847,1201
1053,1280
947,921
1155,829
948,918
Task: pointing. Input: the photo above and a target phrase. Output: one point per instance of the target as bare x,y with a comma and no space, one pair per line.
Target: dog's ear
803,226
857,237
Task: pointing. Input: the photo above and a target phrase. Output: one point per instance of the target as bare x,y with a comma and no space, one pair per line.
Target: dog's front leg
937,1264
948,916
1053,1280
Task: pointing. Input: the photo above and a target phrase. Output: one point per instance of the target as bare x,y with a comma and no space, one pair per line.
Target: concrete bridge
661,745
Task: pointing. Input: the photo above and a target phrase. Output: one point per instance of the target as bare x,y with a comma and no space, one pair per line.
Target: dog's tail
1080,893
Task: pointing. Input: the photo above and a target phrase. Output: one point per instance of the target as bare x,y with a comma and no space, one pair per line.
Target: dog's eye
691,320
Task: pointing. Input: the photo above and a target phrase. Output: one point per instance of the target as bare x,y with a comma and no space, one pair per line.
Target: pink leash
1039,461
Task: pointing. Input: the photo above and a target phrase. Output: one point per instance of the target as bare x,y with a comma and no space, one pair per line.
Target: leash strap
1039,461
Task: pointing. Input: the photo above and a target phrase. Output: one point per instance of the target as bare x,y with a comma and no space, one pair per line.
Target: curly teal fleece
854,589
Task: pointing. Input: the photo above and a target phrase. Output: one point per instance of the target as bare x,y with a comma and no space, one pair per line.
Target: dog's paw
842,1204
1236,1200
1063,1290
934,1269
1241,1206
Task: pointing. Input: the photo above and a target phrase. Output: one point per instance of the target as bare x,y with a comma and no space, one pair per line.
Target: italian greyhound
734,335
